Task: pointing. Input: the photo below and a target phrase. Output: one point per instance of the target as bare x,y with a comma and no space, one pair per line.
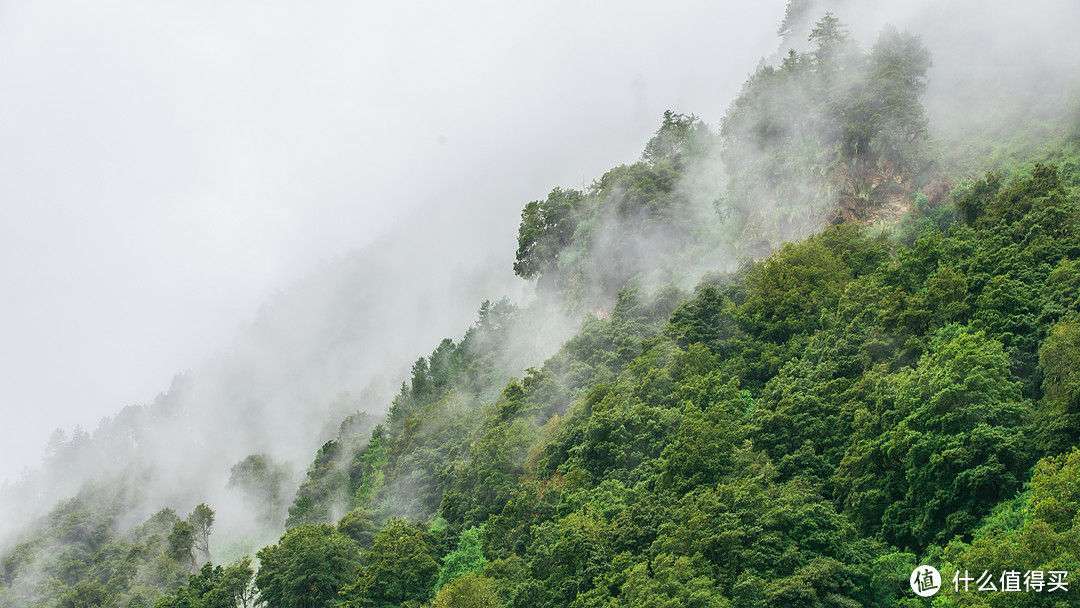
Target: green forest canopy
800,430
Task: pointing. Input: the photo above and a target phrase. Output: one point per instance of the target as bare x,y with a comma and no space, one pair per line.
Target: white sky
164,166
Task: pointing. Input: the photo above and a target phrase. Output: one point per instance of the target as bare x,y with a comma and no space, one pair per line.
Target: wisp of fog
344,184
166,169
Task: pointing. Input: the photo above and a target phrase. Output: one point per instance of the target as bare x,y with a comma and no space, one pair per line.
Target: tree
1046,538
307,568
831,42
468,557
235,587
571,554
669,582
956,445
679,139
182,544
763,543
85,594
898,65
262,482
202,522
213,587
1059,362
789,291
794,14
1013,202
359,525
400,569
824,136
701,453
972,198
546,228
467,591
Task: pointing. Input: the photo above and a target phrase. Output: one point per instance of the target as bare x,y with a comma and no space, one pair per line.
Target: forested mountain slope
816,352
801,431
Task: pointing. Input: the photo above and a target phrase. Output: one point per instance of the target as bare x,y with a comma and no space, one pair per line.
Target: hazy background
166,167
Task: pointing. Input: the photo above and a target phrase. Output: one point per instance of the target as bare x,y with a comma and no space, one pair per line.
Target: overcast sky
165,166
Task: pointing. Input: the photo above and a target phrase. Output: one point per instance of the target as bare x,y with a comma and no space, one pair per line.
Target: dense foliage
828,135
654,219
76,558
799,430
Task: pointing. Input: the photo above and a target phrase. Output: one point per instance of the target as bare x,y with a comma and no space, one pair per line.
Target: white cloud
165,166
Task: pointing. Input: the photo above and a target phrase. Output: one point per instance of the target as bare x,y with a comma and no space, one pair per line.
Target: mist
999,66
166,170
253,217
230,228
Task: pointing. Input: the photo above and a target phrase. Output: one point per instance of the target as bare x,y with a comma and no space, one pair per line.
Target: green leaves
1059,362
790,290
668,582
762,540
400,570
653,219
262,481
960,447
467,591
546,228
702,452
214,587
829,135
679,139
1046,538
307,568
467,558
794,435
